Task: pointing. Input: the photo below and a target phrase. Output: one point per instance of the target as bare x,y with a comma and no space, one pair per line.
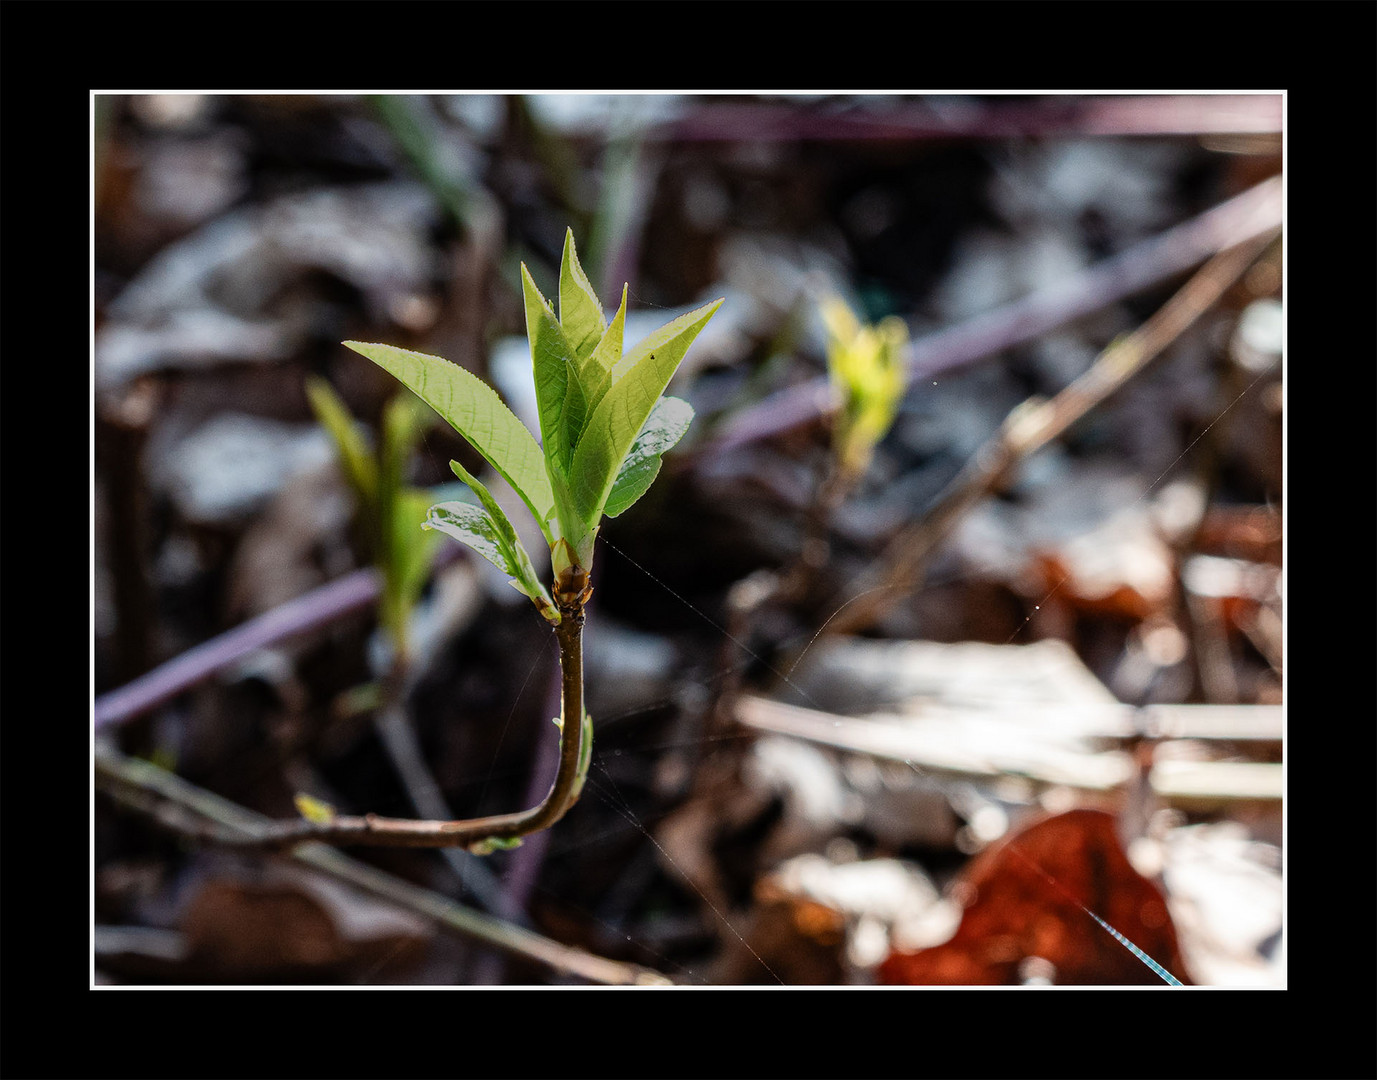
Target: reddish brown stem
374,831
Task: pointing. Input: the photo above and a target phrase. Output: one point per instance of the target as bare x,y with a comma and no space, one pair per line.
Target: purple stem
320,607
908,119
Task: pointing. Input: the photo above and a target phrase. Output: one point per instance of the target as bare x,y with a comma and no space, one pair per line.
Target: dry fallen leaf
1027,914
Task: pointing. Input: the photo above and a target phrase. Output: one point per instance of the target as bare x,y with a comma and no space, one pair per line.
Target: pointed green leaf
494,843
472,408
359,467
666,426
470,524
580,310
596,373
638,382
558,390
688,324
487,529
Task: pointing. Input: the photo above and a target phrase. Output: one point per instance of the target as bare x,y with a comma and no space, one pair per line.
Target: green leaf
637,383
559,392
585,751
413,547
866,365
665,338
314,810
494,843
596,373
401,428
470,524
357,462
580,310
487,529
473,409
665,426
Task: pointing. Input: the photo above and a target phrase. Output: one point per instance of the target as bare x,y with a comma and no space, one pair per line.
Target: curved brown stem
374,831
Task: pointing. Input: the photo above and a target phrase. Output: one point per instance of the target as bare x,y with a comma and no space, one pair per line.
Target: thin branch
354,592
184,808
475,833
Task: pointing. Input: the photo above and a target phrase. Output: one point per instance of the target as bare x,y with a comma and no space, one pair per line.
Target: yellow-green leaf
637,383
314,810
580,310
866,365
559,392
473,408
359,467
666,425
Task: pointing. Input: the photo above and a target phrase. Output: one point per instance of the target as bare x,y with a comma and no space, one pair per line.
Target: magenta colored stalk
353,592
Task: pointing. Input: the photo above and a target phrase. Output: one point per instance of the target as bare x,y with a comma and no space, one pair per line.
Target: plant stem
184,807
374,831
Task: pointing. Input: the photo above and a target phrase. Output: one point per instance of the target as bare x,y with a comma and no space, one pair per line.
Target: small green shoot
605,423
390,510
494,843
604,420
866,366
585,751
314,810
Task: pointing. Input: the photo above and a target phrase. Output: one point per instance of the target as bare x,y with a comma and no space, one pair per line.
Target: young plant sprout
866,367
390,511
605,422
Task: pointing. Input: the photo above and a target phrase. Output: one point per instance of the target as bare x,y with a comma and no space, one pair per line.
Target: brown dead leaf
794,939
1026,902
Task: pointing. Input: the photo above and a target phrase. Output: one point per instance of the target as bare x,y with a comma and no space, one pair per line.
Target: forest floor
1007,711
